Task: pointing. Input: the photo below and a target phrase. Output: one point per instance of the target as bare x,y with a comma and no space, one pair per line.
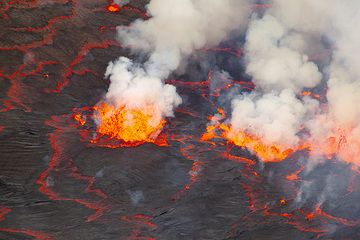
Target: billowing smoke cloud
280,71
274,57
132,87
275,117
279,46
175,30
178,27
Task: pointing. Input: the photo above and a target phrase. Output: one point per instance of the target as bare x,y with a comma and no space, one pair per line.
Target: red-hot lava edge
48,33
314,220
307,220
34,234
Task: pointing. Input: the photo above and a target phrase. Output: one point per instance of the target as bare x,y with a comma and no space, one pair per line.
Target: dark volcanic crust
53,185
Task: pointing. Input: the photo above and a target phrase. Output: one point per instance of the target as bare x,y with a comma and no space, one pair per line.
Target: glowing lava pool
72,168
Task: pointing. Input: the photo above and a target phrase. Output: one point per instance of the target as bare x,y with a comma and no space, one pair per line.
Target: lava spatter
130,126
113,7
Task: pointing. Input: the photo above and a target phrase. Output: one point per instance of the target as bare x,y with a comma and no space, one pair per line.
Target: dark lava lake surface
56,184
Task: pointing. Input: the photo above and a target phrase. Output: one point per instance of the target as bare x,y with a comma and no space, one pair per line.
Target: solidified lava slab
55,184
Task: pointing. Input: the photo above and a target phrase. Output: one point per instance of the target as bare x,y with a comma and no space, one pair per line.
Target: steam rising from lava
175,30
272,119
279,46
276,118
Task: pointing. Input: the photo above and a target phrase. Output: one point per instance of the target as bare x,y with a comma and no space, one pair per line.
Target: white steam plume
278,46
132,87
175,30
274,58
178,27
275,117
280,69
339,122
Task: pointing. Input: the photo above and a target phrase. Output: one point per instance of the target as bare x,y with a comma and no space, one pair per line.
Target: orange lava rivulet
131,126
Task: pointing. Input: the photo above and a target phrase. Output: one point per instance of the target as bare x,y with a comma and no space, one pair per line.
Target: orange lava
310,216
132,126
211,129
295,176
113,8
79,119
267,153
310,94
209,134
306,93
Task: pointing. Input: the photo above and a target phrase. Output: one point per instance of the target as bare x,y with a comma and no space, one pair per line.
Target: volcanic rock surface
55,183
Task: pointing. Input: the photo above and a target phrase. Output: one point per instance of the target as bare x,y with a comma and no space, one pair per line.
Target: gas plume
279,47
175,29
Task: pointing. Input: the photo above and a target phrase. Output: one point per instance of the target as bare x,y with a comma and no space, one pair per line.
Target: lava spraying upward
135,105
128,125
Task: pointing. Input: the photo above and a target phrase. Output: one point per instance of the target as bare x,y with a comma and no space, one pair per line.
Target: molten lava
131,126
113,8
80,119
266,152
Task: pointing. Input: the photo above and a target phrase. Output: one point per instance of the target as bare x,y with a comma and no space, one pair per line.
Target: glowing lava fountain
130,126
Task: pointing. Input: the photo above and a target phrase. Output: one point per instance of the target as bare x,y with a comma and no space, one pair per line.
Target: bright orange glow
221,112
132,126
267,153
306,93
295,176
211,129
310,216
113,8
343,142
79,119
209,134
